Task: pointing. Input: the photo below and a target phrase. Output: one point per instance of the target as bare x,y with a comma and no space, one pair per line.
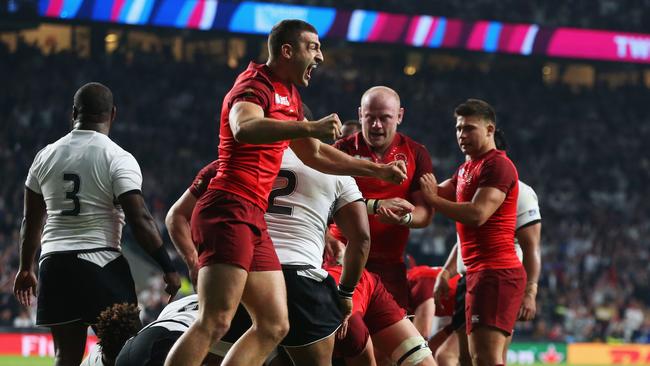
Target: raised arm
146,234
329,160
31,228
249,125
177,222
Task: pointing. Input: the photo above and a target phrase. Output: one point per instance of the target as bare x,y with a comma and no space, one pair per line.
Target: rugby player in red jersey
261,115
380,113
378,326
421,280
482,198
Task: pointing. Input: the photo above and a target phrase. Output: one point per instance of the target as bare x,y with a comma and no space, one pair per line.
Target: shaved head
380,92
380,113
93,100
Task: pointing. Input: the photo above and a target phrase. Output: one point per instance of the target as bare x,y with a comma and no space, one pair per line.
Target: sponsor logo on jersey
402,157
282,100
474,318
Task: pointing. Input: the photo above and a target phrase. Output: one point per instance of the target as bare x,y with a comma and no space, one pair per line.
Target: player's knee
274,330
412,351
213,327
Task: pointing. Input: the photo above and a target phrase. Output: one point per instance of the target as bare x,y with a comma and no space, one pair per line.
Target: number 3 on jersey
282,190
72,195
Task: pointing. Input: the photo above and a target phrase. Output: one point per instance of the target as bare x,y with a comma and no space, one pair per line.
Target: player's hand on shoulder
429,186
25,287
395,172
328,127
173,281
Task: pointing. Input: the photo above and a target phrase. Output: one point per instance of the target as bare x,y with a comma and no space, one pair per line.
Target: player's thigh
319,353
424,314
402,342
448,353
69,341
220,287
265,298
486,343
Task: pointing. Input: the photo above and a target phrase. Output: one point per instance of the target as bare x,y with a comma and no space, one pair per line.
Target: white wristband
406,219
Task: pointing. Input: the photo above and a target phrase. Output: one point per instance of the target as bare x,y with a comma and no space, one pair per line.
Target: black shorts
72,289
148,348
313,306
458,319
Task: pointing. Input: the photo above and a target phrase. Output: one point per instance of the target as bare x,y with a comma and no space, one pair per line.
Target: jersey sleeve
498,173
423,165
347,191
202,179
32,182
251,90
125,174
527,208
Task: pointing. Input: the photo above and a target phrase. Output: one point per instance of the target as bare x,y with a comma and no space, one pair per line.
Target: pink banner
600,45
28,344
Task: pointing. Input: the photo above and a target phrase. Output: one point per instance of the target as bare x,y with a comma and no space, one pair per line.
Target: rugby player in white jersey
85,185
454,346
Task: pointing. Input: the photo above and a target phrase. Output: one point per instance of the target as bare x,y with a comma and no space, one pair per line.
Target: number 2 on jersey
282,191
72,195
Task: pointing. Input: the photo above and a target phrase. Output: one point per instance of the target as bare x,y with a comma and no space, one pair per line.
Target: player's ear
359,112
113,113
75,113
400,115
286,51
490,128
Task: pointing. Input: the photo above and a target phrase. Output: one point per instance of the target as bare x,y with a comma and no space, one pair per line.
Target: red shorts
229,229
393,276
382,310
493,298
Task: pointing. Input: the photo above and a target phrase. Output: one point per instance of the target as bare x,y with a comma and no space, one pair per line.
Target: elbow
476,220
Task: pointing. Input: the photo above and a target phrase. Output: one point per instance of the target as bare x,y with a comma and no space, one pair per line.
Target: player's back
299,206
80,177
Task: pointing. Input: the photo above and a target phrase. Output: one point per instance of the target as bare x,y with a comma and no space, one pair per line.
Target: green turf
25,361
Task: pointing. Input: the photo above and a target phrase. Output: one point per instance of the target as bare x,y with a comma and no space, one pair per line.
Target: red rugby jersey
362,293
491,245
388,241
249,170
430,274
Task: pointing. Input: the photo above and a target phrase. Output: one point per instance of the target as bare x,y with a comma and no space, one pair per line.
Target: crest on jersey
282,100
402,157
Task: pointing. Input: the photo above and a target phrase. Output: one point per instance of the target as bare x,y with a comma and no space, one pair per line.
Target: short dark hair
115,326
287,31
93,99
476,108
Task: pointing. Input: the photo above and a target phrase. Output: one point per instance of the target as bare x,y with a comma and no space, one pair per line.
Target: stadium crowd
580,149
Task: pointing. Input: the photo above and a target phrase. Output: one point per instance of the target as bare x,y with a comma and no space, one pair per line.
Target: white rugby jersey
178,315
527,212
299,206
80,177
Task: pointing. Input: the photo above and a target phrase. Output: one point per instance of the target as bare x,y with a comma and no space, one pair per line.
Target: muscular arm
31,228
146,234
485,202
177,222
352,220
249,125
529,238
422,213
329,160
